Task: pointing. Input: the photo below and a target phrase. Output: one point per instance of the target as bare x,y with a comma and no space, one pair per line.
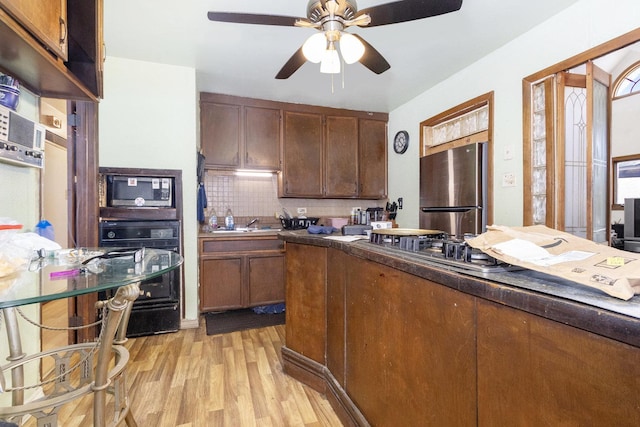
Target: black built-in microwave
139,191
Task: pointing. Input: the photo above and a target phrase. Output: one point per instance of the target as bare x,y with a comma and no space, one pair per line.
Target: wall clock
401,142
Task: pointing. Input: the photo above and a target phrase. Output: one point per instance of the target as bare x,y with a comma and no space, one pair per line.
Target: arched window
628,82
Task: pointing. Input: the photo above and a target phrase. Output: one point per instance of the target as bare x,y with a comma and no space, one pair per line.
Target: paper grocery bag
561,254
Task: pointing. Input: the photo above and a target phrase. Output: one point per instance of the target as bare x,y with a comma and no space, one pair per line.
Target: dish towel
202,202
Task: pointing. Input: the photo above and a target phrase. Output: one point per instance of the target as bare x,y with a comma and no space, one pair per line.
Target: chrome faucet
253,221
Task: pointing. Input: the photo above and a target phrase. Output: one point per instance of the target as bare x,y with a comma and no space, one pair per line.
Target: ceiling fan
331,18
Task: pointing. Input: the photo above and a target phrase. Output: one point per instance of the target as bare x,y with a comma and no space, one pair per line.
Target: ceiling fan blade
250,18
372,59
292,65
408,10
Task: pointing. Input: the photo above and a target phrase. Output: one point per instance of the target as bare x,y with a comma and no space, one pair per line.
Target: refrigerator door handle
451,209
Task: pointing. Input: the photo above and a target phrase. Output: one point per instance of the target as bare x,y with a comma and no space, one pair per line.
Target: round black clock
401,142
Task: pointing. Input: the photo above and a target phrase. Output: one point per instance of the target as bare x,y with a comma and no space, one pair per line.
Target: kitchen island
393,339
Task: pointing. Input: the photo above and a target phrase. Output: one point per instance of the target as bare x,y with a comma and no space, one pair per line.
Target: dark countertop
237,234
544,295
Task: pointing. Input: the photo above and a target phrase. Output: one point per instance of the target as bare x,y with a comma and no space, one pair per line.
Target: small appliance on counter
297,223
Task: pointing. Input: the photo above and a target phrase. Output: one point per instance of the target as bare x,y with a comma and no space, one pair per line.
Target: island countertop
543,295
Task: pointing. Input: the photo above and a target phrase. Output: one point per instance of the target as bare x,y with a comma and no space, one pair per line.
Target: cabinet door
220,134
531,368
410,348
262,138
221,283
372,163
306,300
266,279
86,43
302,155
341,147
45,19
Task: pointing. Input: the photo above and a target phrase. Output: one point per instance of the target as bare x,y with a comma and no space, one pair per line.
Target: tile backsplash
258,197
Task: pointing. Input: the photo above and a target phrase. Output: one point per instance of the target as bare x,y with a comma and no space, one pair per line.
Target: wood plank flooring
189,379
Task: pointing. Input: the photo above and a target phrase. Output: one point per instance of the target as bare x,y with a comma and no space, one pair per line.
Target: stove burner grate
439,248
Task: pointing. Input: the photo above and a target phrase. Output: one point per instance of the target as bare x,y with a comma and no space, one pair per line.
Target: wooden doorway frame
596,52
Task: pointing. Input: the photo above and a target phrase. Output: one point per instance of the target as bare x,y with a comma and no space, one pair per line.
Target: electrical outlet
509,179
302,211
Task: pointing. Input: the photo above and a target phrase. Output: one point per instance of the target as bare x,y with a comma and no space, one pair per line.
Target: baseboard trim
318,377
189,323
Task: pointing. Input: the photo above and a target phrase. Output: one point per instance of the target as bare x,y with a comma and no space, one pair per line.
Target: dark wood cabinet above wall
45,19
54,47
320,152
239,133
334,154
302,174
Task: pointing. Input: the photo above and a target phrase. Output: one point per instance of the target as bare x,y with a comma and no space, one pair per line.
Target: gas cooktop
439,248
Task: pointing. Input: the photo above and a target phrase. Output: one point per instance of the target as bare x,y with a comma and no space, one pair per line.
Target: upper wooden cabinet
320,152
239,133
261,138
45,19
86,43
302,155
31,30
341,149
333,156
372,156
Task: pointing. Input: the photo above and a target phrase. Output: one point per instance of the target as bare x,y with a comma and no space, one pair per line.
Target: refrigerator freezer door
452,178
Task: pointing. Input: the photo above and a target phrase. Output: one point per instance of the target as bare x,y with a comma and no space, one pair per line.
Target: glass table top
72,272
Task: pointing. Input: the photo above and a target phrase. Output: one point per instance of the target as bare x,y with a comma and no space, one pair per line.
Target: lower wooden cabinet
306,289
240,273
533,370
388,348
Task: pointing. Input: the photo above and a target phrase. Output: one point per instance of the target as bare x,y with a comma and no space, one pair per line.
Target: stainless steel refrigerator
453,190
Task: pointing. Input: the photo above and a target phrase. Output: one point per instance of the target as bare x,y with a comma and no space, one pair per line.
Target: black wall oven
157,309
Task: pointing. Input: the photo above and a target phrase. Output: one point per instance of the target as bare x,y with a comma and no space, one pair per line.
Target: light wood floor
189,379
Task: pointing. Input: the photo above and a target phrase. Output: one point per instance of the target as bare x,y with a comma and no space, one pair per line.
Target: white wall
582,26
20,201
148,119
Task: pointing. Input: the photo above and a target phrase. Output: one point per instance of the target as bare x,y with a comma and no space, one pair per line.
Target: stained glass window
628,82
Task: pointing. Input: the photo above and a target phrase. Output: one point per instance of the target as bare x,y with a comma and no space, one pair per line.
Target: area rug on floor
240,320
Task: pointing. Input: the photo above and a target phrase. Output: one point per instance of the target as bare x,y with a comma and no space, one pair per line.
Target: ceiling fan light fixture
330,60
351,48
315,46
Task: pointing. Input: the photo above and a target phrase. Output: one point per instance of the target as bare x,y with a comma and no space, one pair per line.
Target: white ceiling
241,59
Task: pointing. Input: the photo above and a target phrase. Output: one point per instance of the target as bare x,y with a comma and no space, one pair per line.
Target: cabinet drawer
241,245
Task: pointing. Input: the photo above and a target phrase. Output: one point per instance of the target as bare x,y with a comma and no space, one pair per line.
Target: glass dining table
96,367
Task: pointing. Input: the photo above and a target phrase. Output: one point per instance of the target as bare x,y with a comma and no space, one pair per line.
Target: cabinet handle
63,31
